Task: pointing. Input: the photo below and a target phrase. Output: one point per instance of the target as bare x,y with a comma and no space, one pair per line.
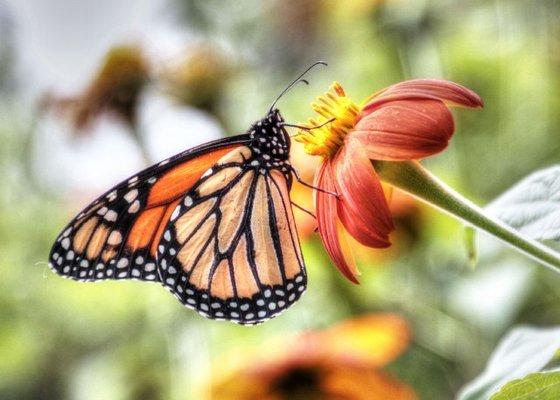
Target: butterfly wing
230,250
115,237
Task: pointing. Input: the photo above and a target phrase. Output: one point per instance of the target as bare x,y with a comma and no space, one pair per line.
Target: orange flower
407,213
342,362
408,217
407,121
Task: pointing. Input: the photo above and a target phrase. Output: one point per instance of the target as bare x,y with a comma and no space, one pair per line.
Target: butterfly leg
303,209
298,178
308,128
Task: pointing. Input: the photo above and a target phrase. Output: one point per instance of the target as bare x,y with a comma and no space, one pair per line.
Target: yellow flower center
324,138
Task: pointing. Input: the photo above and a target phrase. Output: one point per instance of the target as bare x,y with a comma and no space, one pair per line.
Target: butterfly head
269,137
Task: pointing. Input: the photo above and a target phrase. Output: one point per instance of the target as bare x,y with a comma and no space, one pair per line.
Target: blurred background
91,92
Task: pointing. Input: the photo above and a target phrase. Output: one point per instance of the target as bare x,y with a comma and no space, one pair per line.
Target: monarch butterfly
213,224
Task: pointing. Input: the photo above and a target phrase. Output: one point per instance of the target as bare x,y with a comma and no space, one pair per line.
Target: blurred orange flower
341,362
199,78
115,88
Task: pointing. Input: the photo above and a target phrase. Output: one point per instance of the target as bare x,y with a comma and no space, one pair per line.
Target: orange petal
300,194
404,130
363,209
358,383
327,220
449,92
375,339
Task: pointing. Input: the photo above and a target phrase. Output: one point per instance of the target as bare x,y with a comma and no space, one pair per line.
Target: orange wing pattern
231,250
113,238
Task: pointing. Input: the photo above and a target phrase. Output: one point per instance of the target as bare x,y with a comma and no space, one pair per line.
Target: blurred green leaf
538,386
523,351
532,206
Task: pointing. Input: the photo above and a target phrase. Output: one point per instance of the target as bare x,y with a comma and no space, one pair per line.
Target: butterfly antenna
296,81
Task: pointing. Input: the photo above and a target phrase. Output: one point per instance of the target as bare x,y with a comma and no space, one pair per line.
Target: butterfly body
213,225
270,143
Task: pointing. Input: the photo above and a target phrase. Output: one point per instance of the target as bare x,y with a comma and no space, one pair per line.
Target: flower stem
414,179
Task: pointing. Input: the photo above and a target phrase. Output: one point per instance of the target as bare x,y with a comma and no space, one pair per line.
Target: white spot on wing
134,207
115,238
130,196
111,216
175,213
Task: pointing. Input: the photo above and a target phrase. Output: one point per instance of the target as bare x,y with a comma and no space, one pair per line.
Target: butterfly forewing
115,236
231,249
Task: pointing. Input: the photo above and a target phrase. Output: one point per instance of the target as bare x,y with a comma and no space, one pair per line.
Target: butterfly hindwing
231,250
113,238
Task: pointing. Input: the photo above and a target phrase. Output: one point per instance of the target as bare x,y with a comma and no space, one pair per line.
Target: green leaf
522,351
532,206
538,386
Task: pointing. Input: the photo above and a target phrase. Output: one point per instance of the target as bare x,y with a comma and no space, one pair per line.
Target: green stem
414,179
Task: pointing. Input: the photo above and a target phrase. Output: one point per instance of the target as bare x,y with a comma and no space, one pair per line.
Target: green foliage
538,386
532,206
521,352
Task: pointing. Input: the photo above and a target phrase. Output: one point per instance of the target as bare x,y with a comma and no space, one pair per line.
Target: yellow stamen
325,140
